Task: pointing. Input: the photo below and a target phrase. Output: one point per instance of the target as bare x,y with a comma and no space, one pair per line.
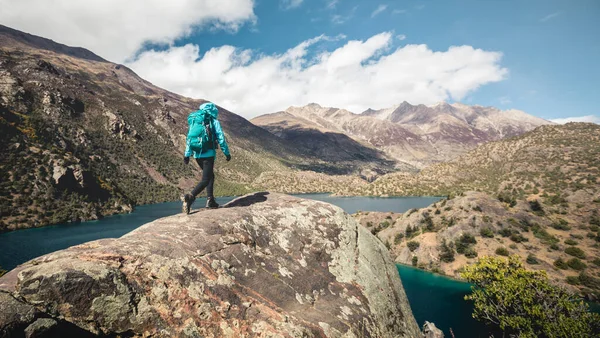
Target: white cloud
378,10
550,17
289,4
588,118
401,37
399,11
116,29
355,76
331,4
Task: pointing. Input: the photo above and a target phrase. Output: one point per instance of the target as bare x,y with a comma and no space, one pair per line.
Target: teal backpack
201,134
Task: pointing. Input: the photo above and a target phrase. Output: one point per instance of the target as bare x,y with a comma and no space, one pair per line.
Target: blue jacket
207,109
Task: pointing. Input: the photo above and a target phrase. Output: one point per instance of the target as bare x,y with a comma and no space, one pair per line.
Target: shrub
437,211
531,259
496,281
413,245
398,238
576,264
518,238
502,251
411,231
447,252
559,263
544,235
554,246
415,260
536,207
427,221
596,261
486,232
388,245
561,225
470,253
506,197
573,280
589,281
569,241
576,236
477,208
505,232
575,251
467,239
513,246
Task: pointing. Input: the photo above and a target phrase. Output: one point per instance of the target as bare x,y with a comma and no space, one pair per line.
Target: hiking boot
187,203
211,203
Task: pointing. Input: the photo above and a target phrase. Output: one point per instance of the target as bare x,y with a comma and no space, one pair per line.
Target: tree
447,252
524,303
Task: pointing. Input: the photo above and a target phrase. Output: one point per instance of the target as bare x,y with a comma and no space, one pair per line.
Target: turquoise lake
433,298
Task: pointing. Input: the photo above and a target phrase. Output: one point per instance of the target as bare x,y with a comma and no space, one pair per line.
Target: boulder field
264,265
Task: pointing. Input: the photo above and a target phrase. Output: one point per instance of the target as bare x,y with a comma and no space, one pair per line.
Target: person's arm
188,151
221,138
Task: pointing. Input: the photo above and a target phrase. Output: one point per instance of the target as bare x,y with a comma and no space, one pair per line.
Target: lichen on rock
264,265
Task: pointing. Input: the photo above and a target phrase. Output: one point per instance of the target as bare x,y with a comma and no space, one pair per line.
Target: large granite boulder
265,265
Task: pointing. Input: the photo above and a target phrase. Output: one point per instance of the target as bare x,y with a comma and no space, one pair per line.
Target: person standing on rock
204,137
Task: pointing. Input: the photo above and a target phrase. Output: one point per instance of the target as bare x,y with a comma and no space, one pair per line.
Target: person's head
210,108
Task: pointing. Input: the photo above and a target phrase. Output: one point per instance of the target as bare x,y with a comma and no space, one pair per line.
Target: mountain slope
84,138
536,196
414,135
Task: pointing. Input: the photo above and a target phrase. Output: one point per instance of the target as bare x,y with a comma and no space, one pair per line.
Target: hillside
536,196
84,138
415,136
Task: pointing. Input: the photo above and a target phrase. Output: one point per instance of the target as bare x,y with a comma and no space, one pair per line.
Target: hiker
204,137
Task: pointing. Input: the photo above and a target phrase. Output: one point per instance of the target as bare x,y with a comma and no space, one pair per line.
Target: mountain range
413,135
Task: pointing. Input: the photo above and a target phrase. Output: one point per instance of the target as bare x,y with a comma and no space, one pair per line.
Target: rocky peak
264,264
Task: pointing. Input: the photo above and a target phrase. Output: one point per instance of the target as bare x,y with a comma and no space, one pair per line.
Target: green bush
559,263
502,251
536,207
561,225
470,253
541,309
554,246
573,280
446,252
575,251
589,281
596,261
467,239
486,232
576,264
413,245
569,241
505,232
531,259
518,238
398,238
415,260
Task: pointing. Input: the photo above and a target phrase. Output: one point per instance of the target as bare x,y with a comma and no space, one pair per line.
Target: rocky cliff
265,265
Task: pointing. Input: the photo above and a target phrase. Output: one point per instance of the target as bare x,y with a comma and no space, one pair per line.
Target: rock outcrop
265,265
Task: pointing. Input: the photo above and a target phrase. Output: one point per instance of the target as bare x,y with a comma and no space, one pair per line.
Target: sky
261,56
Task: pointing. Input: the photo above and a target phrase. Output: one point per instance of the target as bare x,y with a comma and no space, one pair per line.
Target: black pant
208,176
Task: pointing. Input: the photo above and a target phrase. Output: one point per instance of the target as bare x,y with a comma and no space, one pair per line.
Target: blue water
440,300
384,204
17,247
